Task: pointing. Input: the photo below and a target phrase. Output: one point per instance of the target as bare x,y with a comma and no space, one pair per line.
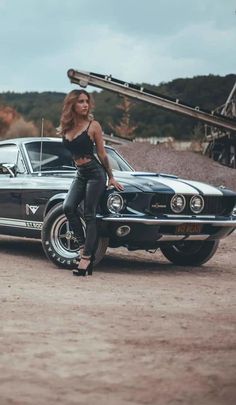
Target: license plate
188,229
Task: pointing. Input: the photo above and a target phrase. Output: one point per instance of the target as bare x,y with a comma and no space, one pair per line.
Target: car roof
27,139
18,141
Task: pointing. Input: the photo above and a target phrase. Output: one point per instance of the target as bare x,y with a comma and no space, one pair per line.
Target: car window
8,154
117,162
53,155
11,154
56,157
20,163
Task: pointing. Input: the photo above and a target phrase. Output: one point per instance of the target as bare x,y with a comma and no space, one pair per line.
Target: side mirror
8,168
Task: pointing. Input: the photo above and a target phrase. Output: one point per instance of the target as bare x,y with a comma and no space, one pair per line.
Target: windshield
116,161
56,157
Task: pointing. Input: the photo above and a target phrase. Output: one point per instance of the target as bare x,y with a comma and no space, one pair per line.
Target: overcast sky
149,41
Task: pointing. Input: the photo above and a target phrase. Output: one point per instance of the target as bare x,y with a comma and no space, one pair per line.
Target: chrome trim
27,156
19,223
166,238
193,216
197,237
9,169
155,221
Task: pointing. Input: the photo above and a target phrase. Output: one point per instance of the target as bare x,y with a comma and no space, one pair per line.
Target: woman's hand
114,183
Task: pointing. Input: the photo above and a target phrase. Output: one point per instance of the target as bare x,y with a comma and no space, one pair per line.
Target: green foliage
35,106
207,92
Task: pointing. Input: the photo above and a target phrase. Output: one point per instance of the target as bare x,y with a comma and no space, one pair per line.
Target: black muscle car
185,219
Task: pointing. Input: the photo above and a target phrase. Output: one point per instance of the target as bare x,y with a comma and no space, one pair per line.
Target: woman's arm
98,139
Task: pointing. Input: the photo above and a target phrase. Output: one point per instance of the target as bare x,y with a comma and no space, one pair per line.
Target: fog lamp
123,230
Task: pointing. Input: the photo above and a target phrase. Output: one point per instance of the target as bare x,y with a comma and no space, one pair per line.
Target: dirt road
140,331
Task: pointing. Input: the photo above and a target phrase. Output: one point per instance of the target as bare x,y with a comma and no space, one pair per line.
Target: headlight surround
197,204
115,203
178,203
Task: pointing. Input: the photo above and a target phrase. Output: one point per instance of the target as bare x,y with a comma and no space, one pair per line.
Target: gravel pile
185,164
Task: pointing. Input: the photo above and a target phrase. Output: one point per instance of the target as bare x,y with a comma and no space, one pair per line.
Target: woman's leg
94,191
74,196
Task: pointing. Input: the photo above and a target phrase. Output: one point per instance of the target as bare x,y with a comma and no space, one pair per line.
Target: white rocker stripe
21,223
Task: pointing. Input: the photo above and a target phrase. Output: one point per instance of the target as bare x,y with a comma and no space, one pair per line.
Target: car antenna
41,145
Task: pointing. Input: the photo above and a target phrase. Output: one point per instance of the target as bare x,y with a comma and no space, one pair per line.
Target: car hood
143,181
165,183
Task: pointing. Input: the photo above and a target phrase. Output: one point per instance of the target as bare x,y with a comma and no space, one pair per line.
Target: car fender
55,199
58,198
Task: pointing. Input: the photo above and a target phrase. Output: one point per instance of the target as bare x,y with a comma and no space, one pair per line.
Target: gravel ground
185,164
140,331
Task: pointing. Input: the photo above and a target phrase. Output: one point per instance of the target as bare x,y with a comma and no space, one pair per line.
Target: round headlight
196,204
178,203
115,203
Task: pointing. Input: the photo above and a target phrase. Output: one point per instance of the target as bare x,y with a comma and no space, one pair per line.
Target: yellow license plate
188,229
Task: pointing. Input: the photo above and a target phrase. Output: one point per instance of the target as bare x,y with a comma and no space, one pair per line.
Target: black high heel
79,272
83,272
90,268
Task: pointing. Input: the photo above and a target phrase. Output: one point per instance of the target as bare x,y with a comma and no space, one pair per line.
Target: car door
10,187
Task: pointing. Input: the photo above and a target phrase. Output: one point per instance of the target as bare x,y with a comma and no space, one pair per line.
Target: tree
124,129
21,128
8,116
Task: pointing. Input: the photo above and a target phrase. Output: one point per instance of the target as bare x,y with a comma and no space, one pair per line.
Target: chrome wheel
62,238
59,243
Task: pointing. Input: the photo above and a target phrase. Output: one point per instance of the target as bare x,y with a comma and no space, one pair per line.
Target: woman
80,133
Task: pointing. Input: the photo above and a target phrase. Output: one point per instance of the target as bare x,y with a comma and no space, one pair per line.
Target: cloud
152,42
197,49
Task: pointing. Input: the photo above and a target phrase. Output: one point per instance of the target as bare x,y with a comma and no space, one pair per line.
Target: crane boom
107,82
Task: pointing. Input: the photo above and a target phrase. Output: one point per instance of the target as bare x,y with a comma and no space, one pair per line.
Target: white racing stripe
181,186
205,189
177,186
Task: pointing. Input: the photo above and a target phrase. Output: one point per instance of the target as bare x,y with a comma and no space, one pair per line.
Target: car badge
157,205
32,208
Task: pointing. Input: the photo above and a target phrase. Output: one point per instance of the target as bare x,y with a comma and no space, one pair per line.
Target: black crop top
81,146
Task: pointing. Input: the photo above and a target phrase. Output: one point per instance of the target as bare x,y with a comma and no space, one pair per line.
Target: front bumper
173,220
147,232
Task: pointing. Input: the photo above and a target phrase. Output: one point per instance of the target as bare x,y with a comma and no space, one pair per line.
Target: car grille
214,205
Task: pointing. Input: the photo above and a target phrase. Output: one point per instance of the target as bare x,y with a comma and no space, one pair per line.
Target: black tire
190,253
58,243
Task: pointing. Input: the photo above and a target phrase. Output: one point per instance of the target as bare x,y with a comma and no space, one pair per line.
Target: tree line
119,115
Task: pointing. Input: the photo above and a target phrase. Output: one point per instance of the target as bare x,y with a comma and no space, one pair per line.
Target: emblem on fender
31,208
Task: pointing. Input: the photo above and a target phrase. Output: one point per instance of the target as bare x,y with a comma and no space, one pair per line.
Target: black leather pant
88,185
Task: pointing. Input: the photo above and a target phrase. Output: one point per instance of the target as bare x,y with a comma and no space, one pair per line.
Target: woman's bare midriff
82,161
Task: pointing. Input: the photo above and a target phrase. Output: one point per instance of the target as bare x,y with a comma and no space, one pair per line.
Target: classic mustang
185,219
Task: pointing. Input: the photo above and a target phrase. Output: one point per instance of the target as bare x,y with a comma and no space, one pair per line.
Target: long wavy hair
68,115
